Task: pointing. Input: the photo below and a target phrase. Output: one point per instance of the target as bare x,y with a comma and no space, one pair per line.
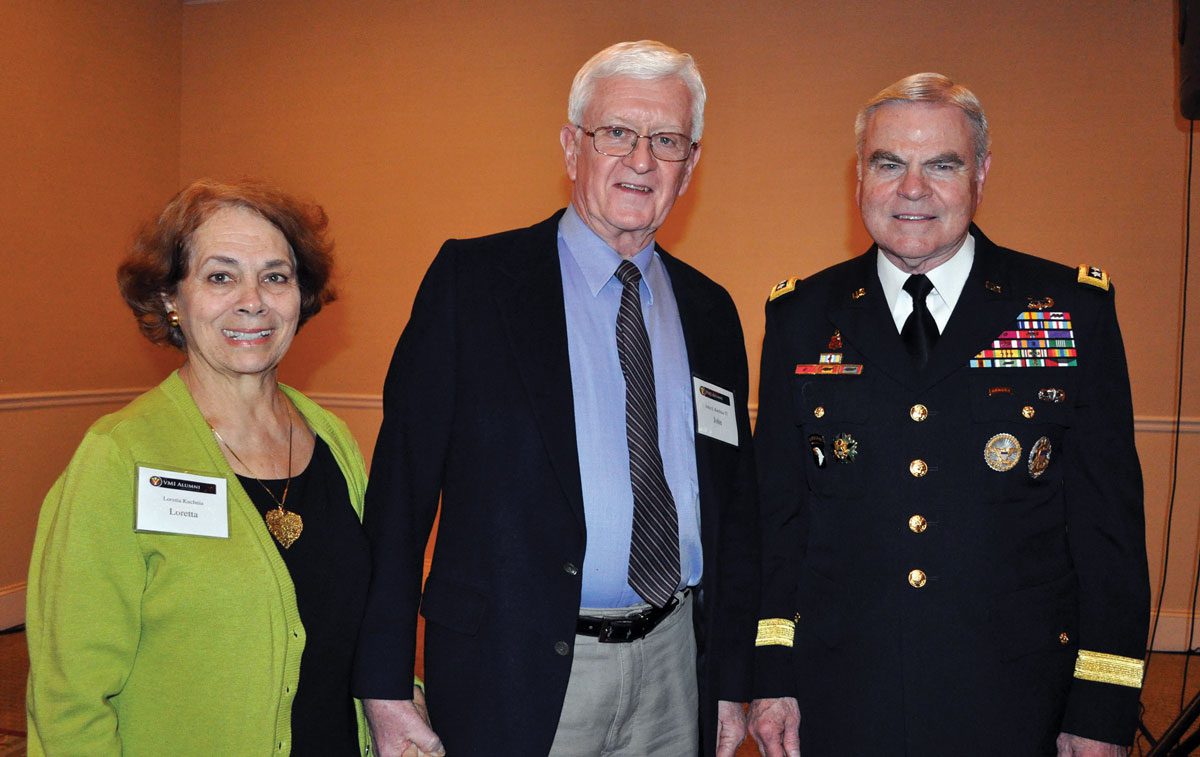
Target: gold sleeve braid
775,632
1104,668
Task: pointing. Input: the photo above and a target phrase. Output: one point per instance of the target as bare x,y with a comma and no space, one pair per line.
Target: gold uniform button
917,524
918,412
818,412
916,578
1028,412
1064,638
918,468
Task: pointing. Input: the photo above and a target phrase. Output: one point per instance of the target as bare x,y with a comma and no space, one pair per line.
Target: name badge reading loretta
171,502
714,412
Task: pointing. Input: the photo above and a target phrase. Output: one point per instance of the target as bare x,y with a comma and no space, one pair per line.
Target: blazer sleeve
738,547
1106,536
782,504
405,484
83,611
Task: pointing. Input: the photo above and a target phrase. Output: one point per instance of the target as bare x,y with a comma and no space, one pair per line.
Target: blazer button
917,524
562,648
916,578
570,569
918,468
918,412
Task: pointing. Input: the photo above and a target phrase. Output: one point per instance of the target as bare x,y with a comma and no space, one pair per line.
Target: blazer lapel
859,311
529,297
987,306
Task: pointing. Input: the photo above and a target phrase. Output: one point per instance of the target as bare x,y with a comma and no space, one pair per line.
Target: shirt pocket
833,414
1020,423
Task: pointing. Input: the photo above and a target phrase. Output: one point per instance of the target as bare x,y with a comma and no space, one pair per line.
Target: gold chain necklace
283,524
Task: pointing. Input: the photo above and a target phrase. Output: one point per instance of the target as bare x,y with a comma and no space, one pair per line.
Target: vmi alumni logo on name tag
175,502
715,412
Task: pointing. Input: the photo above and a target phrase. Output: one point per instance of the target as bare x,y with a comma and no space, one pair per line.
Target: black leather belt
632,628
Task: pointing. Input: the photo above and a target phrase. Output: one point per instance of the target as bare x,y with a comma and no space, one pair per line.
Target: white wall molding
1172,632
1147,424
72,398
12,605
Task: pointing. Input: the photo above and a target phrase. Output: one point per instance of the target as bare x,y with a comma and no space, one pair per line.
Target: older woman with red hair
199,571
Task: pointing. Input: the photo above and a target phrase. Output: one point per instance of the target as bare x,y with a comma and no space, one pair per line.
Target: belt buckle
617,630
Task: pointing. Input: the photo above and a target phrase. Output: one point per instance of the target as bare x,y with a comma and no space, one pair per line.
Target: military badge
835,341
829,369
1002,452
830,357
1040,339
1039,457
1040,303
858,294
1093,276
816,442
783,288
993,391
1052,394
845,448
991,286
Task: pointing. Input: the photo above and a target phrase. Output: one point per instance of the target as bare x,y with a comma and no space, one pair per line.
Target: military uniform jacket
478,412
960,549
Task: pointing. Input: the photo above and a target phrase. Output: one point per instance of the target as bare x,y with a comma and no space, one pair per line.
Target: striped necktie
654,547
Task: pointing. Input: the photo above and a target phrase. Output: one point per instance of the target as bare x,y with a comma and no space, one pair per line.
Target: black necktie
920,331
654,548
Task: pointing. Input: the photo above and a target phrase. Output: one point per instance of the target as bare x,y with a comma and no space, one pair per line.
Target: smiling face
625,200
919,182
239,304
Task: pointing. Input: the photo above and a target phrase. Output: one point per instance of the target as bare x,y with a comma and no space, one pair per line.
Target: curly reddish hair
161,253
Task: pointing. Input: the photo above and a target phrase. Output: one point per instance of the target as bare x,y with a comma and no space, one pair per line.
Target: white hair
929,88
645,59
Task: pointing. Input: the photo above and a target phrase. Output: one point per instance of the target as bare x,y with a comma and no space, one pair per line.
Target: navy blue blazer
478,413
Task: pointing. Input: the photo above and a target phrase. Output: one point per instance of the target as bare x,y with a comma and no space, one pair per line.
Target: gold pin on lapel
858,294
992,286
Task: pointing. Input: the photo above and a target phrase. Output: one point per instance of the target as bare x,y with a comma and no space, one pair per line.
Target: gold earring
173,319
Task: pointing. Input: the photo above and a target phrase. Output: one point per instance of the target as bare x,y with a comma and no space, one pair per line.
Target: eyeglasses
619,141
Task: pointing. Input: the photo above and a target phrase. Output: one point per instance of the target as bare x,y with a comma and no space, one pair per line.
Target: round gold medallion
1002,452
917,524
1028,412
918,412
819,411
916,578
918,468
1039,457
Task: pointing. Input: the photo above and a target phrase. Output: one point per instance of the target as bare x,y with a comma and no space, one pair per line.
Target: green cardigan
143,643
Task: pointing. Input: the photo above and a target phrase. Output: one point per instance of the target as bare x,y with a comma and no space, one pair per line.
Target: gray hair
929,88
645,59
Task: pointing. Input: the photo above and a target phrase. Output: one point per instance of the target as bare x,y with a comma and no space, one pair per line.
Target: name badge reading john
171,502
714,412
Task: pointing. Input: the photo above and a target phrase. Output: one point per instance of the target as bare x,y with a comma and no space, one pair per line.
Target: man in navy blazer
507,401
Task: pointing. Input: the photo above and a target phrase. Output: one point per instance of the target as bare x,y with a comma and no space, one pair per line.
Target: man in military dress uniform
954,557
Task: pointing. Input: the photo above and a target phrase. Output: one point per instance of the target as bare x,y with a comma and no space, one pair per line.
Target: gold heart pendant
284,525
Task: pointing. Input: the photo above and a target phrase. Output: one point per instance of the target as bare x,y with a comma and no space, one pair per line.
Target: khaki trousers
634,699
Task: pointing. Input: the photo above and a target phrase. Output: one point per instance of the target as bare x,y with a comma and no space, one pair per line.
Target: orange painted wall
412,122
89,123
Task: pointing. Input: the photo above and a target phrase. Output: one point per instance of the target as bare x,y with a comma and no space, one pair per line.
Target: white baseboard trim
12,605
1172,632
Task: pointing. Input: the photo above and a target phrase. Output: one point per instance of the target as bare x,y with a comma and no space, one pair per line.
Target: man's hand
400,727
731,727
775,725
1070,745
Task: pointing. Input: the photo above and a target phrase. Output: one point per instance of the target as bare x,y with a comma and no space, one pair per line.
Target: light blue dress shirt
592,295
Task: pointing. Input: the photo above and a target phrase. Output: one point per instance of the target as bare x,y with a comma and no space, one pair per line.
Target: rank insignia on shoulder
783,288
1093,276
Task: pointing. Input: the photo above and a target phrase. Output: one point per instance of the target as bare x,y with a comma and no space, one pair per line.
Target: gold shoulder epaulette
775,632
1093,276
783,287
1107,668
